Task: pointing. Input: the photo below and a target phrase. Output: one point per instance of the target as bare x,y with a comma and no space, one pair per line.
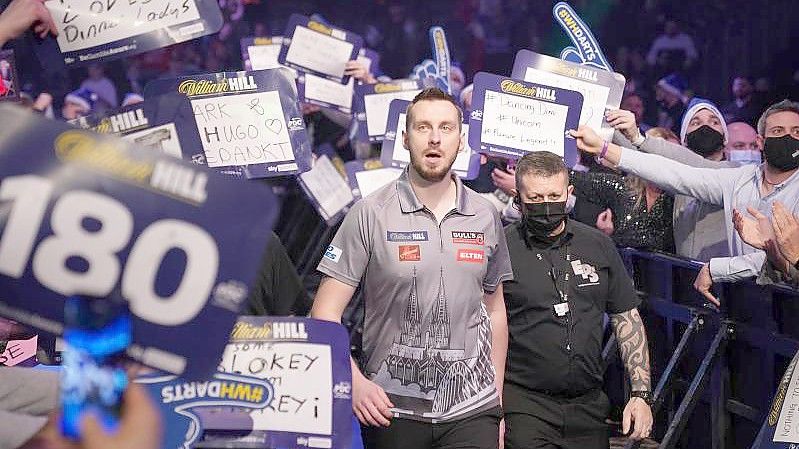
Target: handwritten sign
318,48
109,29
327,189
243,130
307,363
372,102
601,89
20,352
394,153
510,118
246,121
161,237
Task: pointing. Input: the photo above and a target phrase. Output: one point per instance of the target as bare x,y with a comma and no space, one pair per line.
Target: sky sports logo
471,255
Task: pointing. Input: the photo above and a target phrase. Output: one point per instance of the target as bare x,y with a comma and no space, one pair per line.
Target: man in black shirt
566,277
278,290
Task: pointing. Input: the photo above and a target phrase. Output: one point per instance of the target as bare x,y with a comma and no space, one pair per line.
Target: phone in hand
97,332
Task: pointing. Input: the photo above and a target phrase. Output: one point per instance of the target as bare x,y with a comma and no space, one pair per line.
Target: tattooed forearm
630,333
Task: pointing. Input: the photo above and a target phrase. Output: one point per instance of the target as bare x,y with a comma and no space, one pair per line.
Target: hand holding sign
106,29
510,117
318,48
21,15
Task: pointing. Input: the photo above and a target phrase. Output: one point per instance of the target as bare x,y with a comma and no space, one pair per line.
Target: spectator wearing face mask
743,146
699,228
759,187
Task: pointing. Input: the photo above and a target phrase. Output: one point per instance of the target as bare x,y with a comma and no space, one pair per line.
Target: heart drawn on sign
275,125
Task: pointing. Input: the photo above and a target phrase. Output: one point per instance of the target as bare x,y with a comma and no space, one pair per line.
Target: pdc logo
295,124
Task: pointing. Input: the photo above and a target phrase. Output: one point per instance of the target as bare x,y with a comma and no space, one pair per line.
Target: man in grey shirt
430,256
736,188
699,227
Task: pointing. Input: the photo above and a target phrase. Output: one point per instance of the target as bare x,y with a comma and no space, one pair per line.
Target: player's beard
433,174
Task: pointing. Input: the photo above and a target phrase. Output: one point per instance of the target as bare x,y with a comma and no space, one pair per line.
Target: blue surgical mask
745,156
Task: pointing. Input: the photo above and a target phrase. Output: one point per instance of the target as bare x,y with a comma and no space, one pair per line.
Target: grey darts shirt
427,335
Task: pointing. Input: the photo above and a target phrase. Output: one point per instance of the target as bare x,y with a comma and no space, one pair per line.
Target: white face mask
745,156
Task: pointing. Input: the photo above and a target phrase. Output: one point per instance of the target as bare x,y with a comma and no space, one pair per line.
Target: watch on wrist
646,395
639,140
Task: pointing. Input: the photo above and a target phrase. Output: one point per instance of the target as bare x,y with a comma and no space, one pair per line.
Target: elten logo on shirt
410,253
333,253
469,238
471,255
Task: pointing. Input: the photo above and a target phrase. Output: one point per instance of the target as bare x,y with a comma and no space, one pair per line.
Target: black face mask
782,153
704,140
541,219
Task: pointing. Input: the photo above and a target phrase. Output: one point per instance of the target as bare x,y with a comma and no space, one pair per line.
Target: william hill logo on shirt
469,238
410,236
471,255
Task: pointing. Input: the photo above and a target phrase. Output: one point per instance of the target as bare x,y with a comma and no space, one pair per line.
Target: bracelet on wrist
603,153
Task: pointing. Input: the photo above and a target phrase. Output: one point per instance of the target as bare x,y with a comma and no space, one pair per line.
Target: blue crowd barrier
716,369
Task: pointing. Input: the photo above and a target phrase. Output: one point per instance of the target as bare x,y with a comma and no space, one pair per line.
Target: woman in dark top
639,214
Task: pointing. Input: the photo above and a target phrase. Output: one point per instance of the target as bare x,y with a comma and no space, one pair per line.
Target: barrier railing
717,370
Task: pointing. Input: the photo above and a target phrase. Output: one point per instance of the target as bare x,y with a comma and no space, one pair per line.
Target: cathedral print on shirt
425,363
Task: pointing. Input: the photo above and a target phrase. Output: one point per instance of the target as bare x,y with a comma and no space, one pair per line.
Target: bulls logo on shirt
468,238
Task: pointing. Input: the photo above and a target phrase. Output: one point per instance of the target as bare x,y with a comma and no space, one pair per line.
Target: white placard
371,180
318,52
787,428
264,57
377,105
461,165
242,129
85,24
328,187
301,374
162,138
329,91
595,96
332,92
524,123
